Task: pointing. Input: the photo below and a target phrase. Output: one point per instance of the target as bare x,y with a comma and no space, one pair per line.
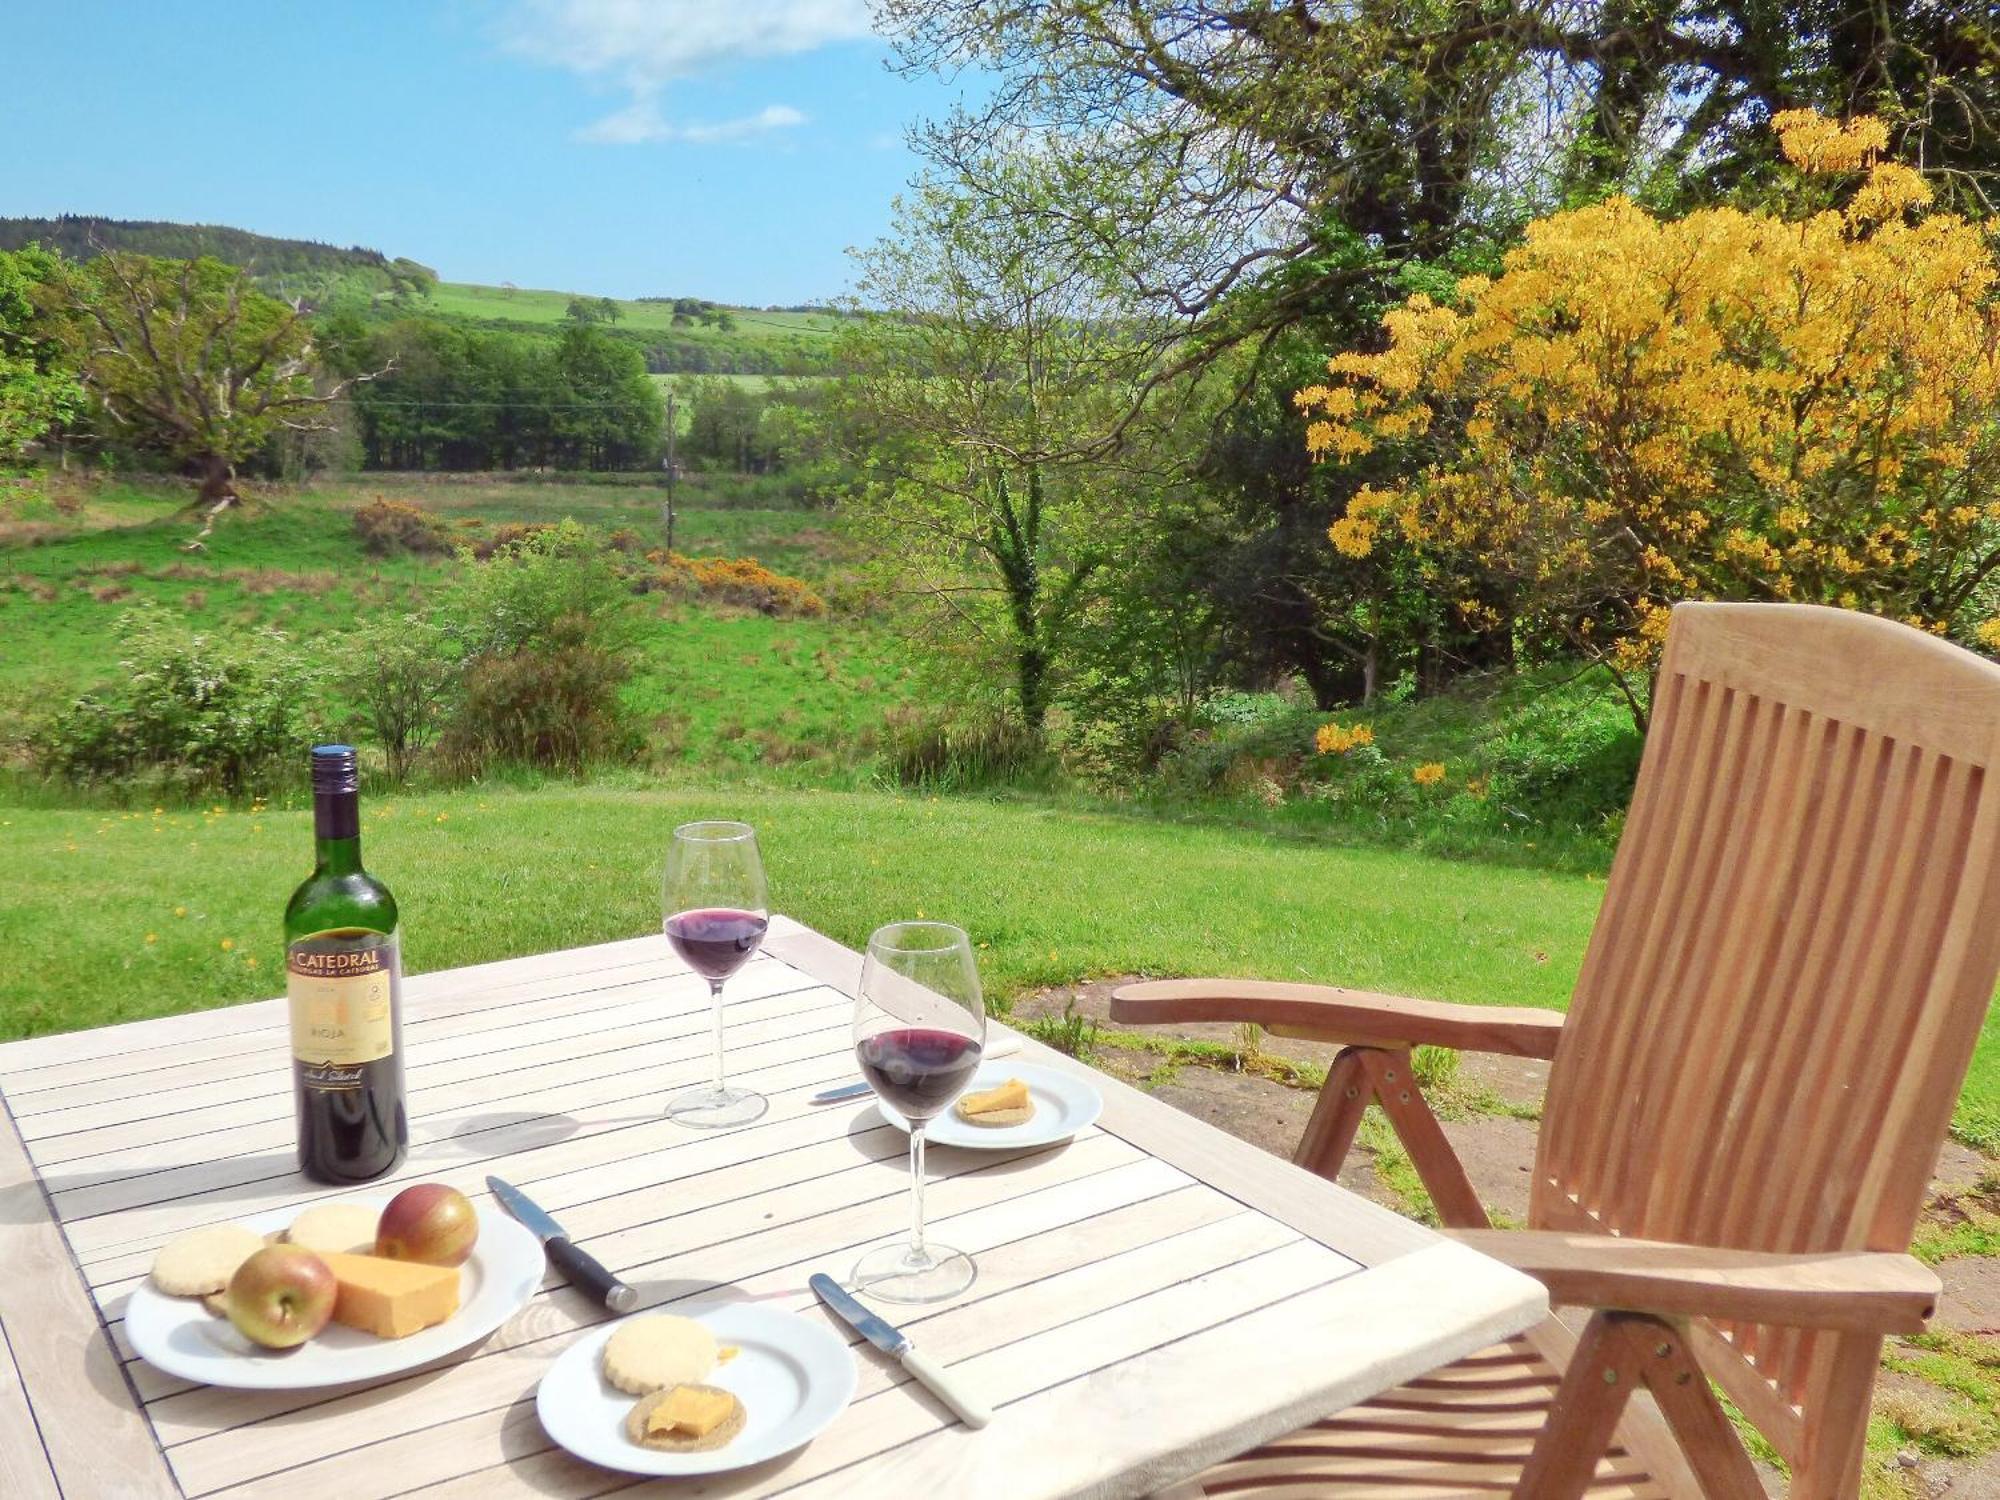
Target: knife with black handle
585,1272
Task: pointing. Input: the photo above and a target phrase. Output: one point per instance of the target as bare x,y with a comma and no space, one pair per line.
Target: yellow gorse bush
1726,405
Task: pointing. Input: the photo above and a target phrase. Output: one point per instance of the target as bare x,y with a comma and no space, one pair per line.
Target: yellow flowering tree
1726,405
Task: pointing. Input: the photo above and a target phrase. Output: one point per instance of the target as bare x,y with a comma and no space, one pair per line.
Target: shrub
510,535
1727,405
539,576
1234,710
544,627
554,705
399,675
1255,737
197,710
940,755
386,527
742,581
1565,759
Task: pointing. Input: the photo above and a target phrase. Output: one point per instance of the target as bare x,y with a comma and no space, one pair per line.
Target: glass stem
715,997
917,1251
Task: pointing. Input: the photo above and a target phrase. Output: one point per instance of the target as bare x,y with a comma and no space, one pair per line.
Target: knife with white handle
1005,1047
891,1341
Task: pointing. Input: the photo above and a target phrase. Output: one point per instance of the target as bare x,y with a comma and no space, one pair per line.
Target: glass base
893,1274
708,1108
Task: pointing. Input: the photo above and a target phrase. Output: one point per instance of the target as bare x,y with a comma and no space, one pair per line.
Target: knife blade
1005,1047
585,1272
894,1342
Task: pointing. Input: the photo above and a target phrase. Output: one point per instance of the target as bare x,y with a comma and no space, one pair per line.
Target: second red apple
430,1223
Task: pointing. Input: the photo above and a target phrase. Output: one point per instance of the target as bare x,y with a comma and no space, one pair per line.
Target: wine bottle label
343,1006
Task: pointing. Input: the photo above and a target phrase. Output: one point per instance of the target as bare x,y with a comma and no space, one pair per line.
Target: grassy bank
116,915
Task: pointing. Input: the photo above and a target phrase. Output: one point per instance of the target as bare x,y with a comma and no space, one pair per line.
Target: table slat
24,1463
84,1421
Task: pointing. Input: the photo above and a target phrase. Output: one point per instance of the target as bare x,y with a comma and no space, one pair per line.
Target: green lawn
1053,895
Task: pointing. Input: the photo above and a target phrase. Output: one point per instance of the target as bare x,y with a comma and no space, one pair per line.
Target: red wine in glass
714,912
918,1070
716,941
919,1030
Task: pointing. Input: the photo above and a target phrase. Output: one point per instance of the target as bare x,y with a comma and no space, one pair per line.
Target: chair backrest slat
1797,945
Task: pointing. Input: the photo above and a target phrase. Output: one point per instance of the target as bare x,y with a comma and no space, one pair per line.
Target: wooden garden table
1151,1296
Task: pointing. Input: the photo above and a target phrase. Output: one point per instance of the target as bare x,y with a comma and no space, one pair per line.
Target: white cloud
641,122
643,45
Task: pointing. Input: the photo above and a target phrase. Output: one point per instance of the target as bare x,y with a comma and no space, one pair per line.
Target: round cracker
660,1350
718,1436
202,1260
346,1228
993,1119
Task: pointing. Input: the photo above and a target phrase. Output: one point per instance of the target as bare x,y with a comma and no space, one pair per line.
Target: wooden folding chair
1797,945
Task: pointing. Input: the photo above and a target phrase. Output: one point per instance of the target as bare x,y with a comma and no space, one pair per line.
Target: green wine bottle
344,975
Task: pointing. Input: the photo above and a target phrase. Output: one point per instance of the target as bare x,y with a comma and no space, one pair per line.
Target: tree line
188,364
448,396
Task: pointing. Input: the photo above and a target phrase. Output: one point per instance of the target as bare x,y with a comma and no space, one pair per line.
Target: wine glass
715,914
919,1029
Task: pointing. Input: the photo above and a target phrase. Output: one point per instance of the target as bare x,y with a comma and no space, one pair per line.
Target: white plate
1064,1104
793,1378
180,1336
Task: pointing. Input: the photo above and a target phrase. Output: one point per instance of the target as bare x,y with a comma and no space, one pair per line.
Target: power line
420,405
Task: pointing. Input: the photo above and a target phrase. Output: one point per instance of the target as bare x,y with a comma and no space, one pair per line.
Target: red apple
281,1296
431,1223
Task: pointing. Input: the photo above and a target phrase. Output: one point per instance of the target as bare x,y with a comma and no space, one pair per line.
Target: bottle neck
337,833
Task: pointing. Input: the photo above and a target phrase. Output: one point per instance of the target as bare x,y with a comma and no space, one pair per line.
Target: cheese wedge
391,1299
1013,1094
691,1411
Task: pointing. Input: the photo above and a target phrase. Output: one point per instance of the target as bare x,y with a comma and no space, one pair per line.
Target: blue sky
721,148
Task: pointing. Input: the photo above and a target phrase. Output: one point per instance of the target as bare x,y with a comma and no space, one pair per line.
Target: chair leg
1837,1422
1343,1099
1588,1403
1618,1353
1699,1424
1438,1166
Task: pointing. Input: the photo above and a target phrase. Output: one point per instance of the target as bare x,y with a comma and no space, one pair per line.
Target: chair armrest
1855,1291
1323,1013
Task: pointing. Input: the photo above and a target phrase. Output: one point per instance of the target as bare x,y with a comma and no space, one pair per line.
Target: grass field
524,305
718,689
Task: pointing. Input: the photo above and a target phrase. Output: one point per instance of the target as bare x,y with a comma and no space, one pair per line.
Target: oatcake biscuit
347,1228
967,1110
997,1117
659,1350
202,1260
719,1436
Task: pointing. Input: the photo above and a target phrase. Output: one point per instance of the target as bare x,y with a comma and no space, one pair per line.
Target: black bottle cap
335,769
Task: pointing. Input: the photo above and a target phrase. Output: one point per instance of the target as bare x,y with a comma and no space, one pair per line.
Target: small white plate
182,1337
1064,1104
793,1378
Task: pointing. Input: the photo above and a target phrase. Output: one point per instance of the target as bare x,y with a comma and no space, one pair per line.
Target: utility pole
667,510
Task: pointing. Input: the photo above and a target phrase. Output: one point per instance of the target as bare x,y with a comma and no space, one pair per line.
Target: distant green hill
299,267
678,335
683,335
